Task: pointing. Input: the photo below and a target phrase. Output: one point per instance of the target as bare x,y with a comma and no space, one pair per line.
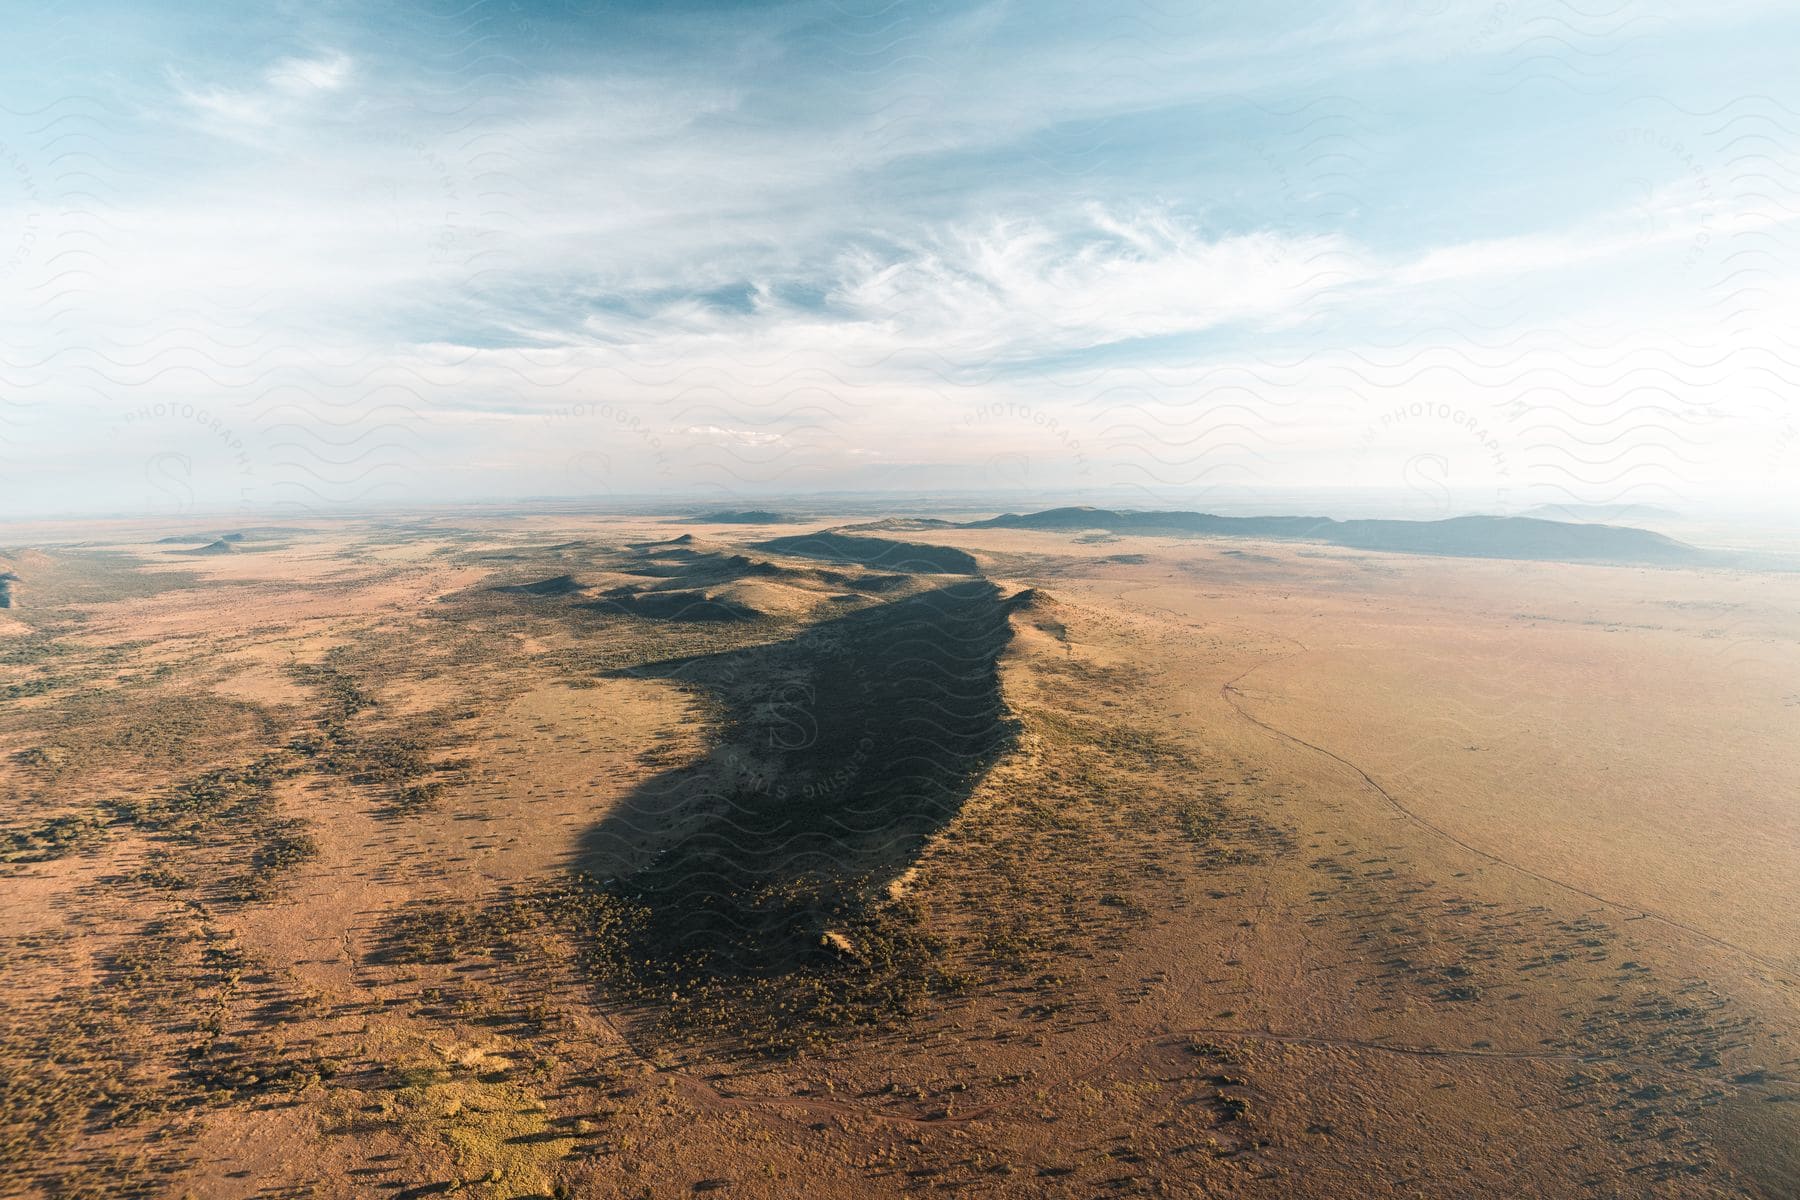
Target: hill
1463,537
559,585
915,558
222,546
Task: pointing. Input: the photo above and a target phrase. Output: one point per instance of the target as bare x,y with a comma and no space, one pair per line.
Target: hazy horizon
1718,521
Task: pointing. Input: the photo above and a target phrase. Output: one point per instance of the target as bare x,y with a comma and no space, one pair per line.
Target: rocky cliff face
9,593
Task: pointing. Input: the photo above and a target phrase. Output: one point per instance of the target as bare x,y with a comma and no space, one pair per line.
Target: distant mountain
900,525
753,516
912,557
1465,537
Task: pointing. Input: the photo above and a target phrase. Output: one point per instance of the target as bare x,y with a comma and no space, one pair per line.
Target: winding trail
1233,696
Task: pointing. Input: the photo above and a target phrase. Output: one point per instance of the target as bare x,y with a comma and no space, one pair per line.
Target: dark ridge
912,557
561,585
841,751
1466,537
681,604
751,516
7,580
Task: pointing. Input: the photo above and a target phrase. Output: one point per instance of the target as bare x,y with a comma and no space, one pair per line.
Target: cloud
786,238
1026,286
747,437
286,88
305,76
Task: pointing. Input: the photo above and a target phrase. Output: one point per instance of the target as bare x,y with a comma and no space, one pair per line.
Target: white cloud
286,87
304,76
747,437
1025,287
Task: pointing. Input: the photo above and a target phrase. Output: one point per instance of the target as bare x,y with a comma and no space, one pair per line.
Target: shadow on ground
838,753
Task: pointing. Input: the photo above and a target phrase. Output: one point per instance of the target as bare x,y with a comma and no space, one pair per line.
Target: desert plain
550,854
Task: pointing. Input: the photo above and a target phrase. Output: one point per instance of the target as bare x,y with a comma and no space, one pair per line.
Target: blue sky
1461,256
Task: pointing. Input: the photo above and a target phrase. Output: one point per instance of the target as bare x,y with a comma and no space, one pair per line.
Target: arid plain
544,855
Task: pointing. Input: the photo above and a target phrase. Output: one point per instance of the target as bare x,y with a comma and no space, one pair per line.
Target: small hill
1025,600
696,566
1527,538
914,558
561,585
900,525
204,537
783,600
222,546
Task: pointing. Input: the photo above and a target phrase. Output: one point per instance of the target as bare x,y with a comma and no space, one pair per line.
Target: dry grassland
579,856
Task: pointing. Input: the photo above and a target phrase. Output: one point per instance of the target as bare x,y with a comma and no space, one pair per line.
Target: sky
301,258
